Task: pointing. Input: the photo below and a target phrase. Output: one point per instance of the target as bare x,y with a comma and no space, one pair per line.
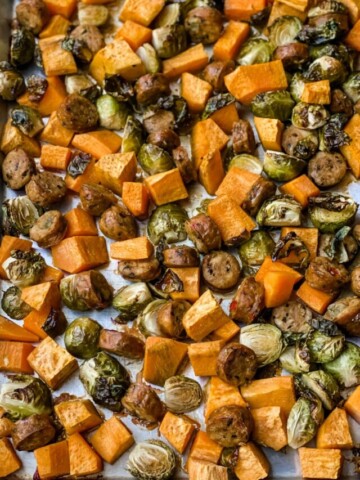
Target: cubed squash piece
252,463
57,25
190,277
56,60
352,151
140,12
243,9
97,143
11,331
195,91
134,34
76,254
112,439
10,462
352,39
237,184
270,132
278,287
37,296
9,243
136,198
206,136
205,449
83,459
320,463
115,169
163,357
203,317
310,237
225,117
61,7
166,187
226,332
203,357
269,427
197,469
78,415
279,9
34,321
228,45
317,92
54,96
270,392
52,363
316,299
79,223
55,133
14,357
269,265
211,171
55,157
178,430
193,59
248,80
12,138
352,404
220,394
53,460
139,248
334,432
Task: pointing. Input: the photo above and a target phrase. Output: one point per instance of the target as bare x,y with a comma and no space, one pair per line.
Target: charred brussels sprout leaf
152,460
24,268
112,113
352,87
119,88
168,223
281,167
254,251
11,82
279,211
326,68
324,348
340,246
169,283
131,300
304,420
147,321
154,159
273,105
18,215
182,394
309,116
149,57
12,304
27,120
55,324
78,48
255,50
265,340
332,135
22,45
260,18
216,102
346,367
78,164
133,136
292,243
284,30
318,35
82,337
331,211
324,386
247,162
169,41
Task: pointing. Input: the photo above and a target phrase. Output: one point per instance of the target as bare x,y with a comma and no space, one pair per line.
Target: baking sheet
284,465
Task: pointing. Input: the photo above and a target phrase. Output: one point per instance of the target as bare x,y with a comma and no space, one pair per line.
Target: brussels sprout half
182,394
331,211
253,251
309,116
255,50
170,40
133,135
149,57
19,214
324,348
303,422
280,211
346,367
154,159
326,68
27,120
247,162
167,223
352,86
24,268
296,86
216,102
320,34
284,30
112,113
277,104
12,304
131,300
11,82
169,15
324,386
147,321
294,360
282,167
265,340
82,337
152,460
22,45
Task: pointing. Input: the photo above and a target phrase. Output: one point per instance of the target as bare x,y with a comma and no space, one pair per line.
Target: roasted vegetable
24,268
282,167
273,105
152,460
346,367
284,30
148,55
82,337
55,323
255,50
326,68
295,359
304,420
246,162
12,304
112,113
22,45
332,136
331,211
11,82
324,348
19,214
147,321
154,159
131,300
253,251
182,394
167,223
352,87
169,41
132,135
319,34
169,15
93,15
309,116
324,386
265,340
279,211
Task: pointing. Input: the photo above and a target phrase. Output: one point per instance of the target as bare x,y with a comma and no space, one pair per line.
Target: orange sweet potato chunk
80,223
13,357
76,254
112,439
10,462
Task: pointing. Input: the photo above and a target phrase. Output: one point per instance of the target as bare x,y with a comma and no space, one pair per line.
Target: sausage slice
236,364
230,425
220,271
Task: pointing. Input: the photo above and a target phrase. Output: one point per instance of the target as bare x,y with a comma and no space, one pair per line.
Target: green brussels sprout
295,360
331,211
152,460
352,86
292,243
255,50
82,337
133,135
147,321
324,386
149,57
85,291
11,82
282,167
167,223
105,380
131,300
325,7
296,86
246,162
340,246
55,323
253,252
216,102
22,45
279,211
112,114
24,268
12,304
168,16
324,348
182,394
303,422
277,104
24,396
332,135
19,214
326,68
154,159
339,51
77,83
27,120
170,40
284,30
346,367
309,116
320,34
265,340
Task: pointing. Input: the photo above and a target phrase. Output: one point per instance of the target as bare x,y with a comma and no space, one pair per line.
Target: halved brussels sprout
24,268
320,34
346,367
280,211
255,50
12,304
133,135
292,243
149,57
22,45
170,40
106,380
167,223
309,116
284,30
19,214
131,300
27,120
326,68
295,360
277,104
324,348
340,246
303,422
339,51
147,320
246,162
216,102
169,15
282,167
112,114
324,386
352,86
11,82
332,136
331,211
152,460
265,340
253,251
82,337
154,159
182,394
296,86
78,164
23,396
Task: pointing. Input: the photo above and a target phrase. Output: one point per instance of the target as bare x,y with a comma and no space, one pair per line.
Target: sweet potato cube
320,463
139,248
11,331
52,99
52,363
53,460
163,357
248,80
352,39
252,463
56,60
352,151
178,430
136,198
97,143
195,91
270,132
279,9
310,237
203,357
317,92
269,427
334,432
37,296
226,332
190,277
76,254
140,12
211,171
193,59
14,357
226,117
8,244
112,439
206,136
205,449
34,321
352,404
197,469
278,287
166,187
10,462
57,25
237,184
83,459
55,157
315,299
80,222
115,169
78,415
243,9
228,45
61,7
269,265
300,5
270,392
12,138
55,133
134,34
219,394
203,317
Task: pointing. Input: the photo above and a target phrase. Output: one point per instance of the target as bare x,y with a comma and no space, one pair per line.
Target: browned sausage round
327,169
166,139
299,143
17,169
170,315
143,402
90,36
220,271
95,199
139,270
292,317
260,191
204,233
117,223
204,24
292,55
45,188
243,139
77,113
125,343
181,256
161,120
215,72
184,164
326,275
49,229
151,87
340,102
355,281
248,302
230,425
32,432
236,364
32,15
